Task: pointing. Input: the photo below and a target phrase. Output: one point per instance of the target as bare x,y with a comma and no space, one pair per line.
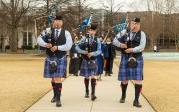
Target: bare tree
14,10
157,5
81,6
112,7
78,11
155,8
148,5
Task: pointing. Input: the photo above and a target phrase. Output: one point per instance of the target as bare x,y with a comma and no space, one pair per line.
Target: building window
27,39
166,42
148,42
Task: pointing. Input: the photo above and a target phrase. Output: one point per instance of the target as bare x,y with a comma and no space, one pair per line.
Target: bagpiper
57,42
90,48
132,45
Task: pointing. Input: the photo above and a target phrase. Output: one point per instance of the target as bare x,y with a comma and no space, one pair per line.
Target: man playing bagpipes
132,45
57,42
89,47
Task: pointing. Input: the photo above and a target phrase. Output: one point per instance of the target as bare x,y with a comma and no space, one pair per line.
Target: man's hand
129,50
48,45
54,48
89,55
86,52
123,45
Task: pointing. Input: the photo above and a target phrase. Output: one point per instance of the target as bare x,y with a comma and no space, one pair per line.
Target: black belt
132,54
88,59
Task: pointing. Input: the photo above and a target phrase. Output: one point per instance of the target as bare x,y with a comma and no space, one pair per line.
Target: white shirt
67,46
95,53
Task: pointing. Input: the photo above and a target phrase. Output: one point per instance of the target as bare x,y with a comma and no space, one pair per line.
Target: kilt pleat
85,71
61,67
126,73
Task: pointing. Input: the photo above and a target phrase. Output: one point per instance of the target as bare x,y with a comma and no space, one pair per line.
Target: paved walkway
161,55
108,93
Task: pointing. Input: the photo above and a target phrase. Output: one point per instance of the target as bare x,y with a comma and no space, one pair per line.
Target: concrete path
108,92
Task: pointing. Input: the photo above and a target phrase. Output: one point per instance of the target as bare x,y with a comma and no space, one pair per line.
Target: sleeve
142,45
41,38
78,49
98,49
118,36
67,46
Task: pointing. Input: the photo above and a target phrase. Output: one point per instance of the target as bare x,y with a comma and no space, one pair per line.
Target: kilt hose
85,71
61,67
126,73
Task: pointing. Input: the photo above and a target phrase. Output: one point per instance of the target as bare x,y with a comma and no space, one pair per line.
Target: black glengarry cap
136,19
93,26
58,17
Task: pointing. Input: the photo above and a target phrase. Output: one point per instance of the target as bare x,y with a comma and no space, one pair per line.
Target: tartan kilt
126,73
61,67
85,71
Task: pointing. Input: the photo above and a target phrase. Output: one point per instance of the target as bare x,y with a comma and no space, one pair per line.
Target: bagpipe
121,30
122,37
118,29
49,30
88,44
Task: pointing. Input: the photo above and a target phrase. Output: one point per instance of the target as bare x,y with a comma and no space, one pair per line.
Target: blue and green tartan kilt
61,67
85,71
126,73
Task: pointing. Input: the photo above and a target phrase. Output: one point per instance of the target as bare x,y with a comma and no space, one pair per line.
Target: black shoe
53,100
58,104
137,104
86,95
93,98
122,100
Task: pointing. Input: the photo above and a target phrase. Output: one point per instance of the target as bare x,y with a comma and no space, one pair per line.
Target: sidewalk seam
91,107
149,102
146,99
37,100
144,96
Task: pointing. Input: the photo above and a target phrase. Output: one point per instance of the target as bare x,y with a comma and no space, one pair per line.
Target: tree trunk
13,39
151,43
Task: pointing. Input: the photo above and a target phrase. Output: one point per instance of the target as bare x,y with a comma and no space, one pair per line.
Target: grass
21,82
160,85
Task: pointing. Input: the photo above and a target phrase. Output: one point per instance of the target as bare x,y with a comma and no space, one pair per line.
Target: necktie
56,34
91,39
133,35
